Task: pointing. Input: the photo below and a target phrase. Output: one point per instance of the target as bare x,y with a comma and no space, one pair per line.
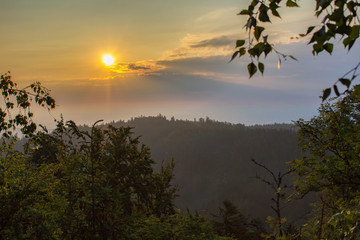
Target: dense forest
213,160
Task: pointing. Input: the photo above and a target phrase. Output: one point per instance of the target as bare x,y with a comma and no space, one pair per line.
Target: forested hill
212,159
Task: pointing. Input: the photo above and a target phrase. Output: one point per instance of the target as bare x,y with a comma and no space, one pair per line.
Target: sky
171,58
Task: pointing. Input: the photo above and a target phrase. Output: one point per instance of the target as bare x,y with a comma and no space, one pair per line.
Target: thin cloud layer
221,41
201,45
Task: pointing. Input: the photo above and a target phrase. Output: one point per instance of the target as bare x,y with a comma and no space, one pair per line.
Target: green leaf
244,12
318,48
357,90
336,90
263,16
273,6
309,30
345,81
355,30
251,69
260,48
331,27
326,94
261,67
348,42
290,3
234,55
267,49
329,47
323,3
254,52
291,56
257,32
254,3
351,6
275,13
336,15
240,43
242,51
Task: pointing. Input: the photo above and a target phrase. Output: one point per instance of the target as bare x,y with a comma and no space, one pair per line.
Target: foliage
31,201
108,177
176,226
332,140
331,167
20,100
344,224
75,197
93,190
339,18
231,223
73,184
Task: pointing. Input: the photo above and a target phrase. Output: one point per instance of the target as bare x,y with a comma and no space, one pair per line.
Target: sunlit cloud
138,68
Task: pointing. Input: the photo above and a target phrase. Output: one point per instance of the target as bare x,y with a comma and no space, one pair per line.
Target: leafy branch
345,80
277,184
339,19
20,100
257,42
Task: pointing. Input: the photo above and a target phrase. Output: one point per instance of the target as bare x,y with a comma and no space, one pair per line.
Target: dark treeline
213,161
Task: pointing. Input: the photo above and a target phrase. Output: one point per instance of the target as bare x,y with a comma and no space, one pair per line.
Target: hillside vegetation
213,160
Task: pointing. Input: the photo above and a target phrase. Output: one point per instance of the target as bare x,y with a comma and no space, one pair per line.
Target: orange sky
171,57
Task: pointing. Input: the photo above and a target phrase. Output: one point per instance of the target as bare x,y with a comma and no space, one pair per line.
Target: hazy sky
171,57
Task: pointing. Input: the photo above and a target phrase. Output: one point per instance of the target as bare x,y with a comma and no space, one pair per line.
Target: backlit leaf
234,55
329,47
261,67
291,56
240,43
251,69
263,15
345,82
257,32
242,51
291,3
326,94
244,12
336,90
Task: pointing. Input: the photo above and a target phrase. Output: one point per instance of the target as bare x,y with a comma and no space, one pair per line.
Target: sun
108,59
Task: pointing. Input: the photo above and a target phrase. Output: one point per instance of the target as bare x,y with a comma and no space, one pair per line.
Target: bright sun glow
108,60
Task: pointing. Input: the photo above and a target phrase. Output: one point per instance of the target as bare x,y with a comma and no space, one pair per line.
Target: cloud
202,46
220,41
138,68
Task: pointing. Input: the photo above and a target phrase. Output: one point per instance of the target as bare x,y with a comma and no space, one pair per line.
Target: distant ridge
213,159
